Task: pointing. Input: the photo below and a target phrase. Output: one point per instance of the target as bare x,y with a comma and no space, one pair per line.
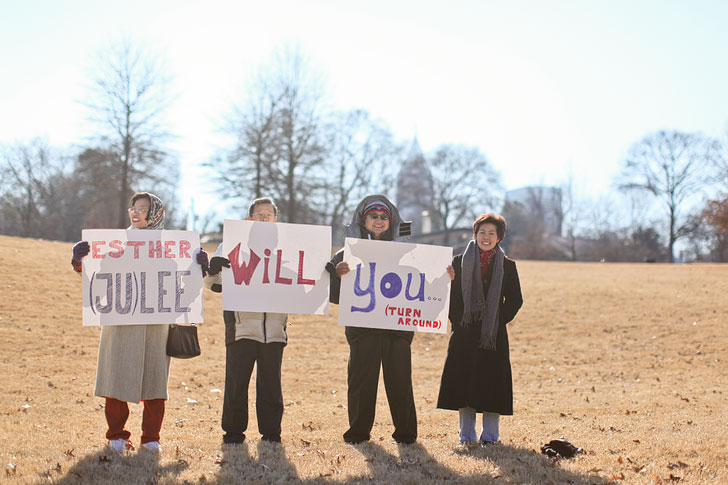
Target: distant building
415,192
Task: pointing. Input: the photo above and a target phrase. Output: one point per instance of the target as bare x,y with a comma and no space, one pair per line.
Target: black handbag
182,341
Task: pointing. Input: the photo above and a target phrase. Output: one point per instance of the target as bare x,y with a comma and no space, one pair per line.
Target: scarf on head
155,216
475,310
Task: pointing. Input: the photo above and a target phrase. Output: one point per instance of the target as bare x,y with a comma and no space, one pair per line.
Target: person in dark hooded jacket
369,348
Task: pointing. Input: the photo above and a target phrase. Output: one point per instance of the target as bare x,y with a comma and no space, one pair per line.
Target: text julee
140,277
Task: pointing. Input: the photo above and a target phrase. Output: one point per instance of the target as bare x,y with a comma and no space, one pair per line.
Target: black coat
475,377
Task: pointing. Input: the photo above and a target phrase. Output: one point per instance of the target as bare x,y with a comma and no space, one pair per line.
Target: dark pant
117,412
366,353
240,357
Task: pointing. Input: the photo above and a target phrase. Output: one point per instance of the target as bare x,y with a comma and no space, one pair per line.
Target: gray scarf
474,308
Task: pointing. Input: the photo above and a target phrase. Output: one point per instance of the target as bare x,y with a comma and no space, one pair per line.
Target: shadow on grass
522,465
272,465
108,466
415,465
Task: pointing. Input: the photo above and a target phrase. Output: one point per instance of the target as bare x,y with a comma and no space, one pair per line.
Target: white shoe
119,445
152,446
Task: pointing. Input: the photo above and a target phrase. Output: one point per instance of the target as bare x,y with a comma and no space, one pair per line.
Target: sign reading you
395,285
141,277
276,267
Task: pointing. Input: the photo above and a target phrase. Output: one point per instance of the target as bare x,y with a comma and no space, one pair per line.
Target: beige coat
133,364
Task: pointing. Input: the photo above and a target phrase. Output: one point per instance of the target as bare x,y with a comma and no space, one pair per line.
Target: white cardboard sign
276,267
395,285
137,276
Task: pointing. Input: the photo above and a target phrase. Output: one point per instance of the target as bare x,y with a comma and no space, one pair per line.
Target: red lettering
155,249
266,260
242,272
400,311
95,248
279,278
418,313
400,321
407,320
408,312
301,279
168,247
116,244
136,245
184,246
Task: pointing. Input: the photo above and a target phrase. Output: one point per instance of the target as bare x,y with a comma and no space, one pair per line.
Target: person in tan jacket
132,362
251,338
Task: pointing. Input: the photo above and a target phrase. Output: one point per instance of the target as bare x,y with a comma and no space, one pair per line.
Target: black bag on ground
182,341
560,448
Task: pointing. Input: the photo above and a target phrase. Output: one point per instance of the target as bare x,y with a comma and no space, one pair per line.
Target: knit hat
376,205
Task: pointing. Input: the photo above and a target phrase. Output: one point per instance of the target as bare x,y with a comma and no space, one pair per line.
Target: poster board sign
276,267
395,285
133,277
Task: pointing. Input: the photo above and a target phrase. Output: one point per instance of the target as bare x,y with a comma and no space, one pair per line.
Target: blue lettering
369,290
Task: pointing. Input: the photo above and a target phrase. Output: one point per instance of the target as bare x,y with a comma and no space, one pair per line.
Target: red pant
117,412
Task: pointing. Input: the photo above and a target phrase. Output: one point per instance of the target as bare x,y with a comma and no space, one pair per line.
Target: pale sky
541,87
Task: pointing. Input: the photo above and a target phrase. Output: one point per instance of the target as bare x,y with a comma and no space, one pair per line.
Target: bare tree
128,98
32,175
244,171
672,166
279,138
300,134
361,155
464,184
571,211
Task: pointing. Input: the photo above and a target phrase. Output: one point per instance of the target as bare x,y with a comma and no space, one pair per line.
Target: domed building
415,192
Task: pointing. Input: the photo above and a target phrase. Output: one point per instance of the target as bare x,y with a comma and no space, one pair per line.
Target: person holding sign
132,362
369,348
484,297
250,338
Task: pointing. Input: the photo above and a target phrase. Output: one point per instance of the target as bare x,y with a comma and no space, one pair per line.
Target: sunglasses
374,216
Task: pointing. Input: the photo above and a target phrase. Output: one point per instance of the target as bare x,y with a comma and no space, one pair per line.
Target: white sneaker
118,445
152,446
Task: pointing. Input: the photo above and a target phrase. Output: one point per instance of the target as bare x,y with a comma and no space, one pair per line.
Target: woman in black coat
477,374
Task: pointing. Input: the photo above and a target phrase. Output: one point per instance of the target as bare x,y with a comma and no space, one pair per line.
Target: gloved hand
216,265
80,249
203,260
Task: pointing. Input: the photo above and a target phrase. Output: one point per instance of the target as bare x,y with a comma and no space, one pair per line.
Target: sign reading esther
137,276
395,285
276,267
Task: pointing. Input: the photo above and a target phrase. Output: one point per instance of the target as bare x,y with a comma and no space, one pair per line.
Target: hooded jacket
356,229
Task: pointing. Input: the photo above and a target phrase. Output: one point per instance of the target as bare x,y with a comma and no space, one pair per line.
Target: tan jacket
133,364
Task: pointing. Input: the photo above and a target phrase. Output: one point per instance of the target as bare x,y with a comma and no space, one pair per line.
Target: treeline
317,162
673,187
288,143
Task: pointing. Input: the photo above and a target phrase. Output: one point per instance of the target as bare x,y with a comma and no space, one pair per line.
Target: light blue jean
467,426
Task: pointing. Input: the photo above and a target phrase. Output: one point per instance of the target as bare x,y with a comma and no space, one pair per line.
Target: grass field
628,361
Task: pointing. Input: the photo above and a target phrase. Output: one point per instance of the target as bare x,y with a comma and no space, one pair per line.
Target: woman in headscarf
132,362
369,348
485,295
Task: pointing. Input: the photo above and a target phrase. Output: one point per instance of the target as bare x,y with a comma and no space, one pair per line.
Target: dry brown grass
627,361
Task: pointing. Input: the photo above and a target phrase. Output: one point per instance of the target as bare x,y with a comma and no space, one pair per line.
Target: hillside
628,361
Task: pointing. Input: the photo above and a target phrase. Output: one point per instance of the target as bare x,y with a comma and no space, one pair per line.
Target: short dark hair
262,200
491,218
